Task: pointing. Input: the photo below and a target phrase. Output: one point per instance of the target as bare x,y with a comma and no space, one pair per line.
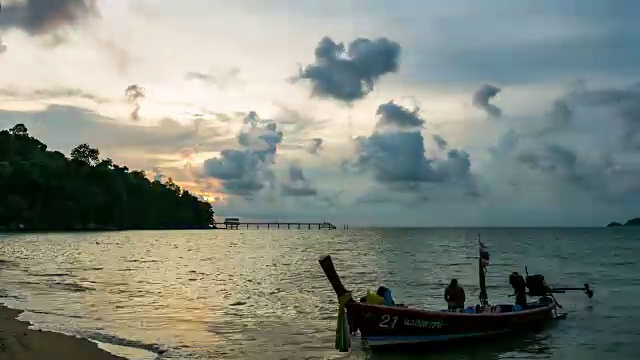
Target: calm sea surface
259,294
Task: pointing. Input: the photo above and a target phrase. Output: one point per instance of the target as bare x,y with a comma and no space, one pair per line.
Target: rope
343,341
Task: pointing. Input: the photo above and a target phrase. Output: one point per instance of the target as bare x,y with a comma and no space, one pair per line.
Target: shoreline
18,342
40,231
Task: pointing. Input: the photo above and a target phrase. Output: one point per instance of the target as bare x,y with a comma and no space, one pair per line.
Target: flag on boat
484,254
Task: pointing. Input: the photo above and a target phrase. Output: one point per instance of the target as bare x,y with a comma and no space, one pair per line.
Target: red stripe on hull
387,321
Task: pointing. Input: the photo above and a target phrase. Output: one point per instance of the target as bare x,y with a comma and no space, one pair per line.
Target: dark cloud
559,117
578,148
315,146
394,115
440,141
39,17
596,178
245,171
623,104
134,94
396,156
297,184
349,74
555,159
481,99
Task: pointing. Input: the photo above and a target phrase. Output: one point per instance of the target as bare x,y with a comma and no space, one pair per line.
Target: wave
120,341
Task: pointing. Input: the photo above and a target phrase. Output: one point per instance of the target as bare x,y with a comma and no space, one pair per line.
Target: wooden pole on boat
484,299
343,341
332,275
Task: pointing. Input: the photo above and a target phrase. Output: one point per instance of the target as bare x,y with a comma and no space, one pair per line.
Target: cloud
245,171
50,94
440,141
134,94
505,145
64,127
396,156
583,149
315,146
39,17
297,184
222,80
623,105
481,99
394,115
349,73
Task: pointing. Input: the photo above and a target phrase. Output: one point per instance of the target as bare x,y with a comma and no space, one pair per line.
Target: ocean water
260,294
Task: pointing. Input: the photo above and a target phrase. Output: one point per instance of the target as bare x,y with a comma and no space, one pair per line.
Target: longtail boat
385,326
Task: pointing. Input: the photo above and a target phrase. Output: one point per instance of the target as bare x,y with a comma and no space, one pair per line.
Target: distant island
43,190
632,222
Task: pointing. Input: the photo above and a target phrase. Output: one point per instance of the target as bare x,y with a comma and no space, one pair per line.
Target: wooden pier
235,224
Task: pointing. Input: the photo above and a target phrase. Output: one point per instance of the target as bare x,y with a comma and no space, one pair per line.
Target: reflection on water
261,294
529,346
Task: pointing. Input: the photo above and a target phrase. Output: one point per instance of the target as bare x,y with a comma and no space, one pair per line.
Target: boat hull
385,326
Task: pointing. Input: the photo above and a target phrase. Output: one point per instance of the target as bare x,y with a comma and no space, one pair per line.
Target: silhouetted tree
19,129
45,190
86,154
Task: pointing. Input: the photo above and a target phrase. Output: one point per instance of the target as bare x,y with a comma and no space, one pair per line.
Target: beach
19,342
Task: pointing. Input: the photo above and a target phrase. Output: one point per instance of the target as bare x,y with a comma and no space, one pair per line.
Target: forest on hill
46,190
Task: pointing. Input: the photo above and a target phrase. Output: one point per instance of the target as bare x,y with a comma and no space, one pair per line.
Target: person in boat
519,286
381,297
454,296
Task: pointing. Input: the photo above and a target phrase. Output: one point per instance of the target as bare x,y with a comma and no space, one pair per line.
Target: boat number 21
388,321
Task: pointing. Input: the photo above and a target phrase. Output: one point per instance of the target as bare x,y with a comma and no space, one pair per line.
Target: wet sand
18,342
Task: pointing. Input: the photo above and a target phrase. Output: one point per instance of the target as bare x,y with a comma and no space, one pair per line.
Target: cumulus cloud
483,95
396,155
245,171
394,115
349,73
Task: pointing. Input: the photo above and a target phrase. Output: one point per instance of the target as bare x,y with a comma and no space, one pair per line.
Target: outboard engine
537,285
519,286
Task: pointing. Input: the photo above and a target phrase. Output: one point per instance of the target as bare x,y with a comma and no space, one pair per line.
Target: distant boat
399,325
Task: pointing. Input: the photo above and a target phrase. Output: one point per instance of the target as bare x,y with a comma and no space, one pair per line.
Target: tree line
46,190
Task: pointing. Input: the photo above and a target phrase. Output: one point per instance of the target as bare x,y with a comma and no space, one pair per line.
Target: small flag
484,254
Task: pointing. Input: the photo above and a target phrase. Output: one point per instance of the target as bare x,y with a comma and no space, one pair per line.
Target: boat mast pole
484,300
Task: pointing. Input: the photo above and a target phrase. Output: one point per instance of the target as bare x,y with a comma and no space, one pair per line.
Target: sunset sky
369,112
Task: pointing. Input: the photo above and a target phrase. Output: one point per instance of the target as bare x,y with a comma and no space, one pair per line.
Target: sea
261,294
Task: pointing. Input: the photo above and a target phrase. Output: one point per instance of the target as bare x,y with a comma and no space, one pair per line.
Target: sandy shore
17,342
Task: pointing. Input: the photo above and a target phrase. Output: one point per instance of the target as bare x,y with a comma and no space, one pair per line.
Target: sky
366,112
